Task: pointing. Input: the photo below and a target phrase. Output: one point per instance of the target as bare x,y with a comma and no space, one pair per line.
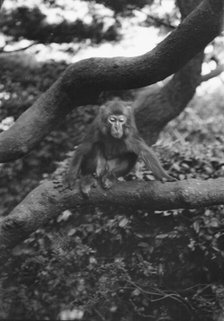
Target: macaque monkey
111,149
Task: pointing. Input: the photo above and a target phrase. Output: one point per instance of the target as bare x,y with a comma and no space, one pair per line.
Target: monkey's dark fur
110,149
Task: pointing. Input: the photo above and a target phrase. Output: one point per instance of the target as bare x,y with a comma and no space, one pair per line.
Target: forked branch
82,82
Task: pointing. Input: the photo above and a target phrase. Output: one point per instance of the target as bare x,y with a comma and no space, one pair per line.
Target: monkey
111,149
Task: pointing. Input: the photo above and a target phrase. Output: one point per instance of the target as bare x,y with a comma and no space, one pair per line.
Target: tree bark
82,82
48,200
156,106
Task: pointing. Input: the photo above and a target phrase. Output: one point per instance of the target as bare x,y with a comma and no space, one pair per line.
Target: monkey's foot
107,183
86,184
72,184
69,181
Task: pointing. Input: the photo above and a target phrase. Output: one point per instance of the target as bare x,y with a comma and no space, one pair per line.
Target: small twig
19,49
157,19
99,315
214,73
160,21
163,295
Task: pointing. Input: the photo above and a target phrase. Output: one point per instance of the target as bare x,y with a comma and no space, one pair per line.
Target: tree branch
2,50
48,200
83,81
157,105
214,73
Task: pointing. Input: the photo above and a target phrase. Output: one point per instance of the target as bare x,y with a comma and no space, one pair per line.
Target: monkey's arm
75,164
153,163
151,160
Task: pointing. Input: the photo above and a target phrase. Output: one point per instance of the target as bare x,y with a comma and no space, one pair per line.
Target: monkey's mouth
117,134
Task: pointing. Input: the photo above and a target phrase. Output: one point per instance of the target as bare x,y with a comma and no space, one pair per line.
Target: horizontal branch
50,199
82,82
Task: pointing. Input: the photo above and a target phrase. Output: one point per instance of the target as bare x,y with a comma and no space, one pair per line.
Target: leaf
72,231
196,226
64,216
143,244
123,222
214,222
162,236
136,292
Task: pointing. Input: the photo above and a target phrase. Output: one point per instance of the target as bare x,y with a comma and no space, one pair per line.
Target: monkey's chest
116,160
113,149
108,158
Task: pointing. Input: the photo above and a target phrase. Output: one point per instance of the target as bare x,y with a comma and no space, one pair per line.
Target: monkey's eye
112,119
122,119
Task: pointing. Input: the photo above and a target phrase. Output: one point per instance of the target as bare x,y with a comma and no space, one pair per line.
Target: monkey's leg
71,179
87,183
71,175
116,168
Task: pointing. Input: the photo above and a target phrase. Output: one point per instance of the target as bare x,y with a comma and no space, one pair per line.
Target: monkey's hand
168,178
70,180
87,183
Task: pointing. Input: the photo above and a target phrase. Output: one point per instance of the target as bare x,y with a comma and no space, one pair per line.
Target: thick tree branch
48,200
157,105
83,81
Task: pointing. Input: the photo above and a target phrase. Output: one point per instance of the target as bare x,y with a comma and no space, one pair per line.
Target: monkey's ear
129,109
103,112
102,109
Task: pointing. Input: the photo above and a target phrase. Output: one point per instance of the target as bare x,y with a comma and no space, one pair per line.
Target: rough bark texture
83,81
48,200
156,106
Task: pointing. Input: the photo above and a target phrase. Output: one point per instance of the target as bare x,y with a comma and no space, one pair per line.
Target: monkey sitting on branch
110,150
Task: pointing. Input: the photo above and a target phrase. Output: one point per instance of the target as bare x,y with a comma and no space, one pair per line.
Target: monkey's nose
117,125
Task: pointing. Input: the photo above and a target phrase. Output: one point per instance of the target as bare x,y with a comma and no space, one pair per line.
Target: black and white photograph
112,160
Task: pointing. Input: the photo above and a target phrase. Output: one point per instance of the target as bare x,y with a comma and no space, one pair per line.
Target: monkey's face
117,125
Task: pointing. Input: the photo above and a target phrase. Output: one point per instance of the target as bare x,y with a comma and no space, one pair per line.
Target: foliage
31,24
120,6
